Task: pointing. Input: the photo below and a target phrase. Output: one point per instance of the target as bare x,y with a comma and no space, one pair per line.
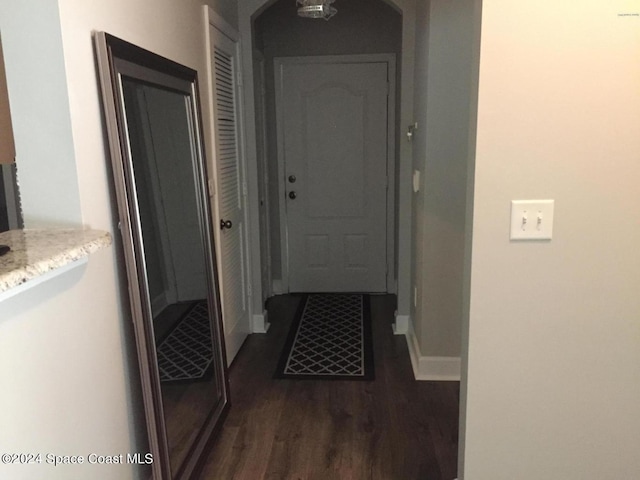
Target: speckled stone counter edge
39,251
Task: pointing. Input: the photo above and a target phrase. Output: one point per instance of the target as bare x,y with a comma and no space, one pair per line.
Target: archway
248,11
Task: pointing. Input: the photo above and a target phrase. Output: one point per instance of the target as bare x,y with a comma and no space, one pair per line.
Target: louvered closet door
231,223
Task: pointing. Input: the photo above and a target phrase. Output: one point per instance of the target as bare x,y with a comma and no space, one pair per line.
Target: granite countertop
36,252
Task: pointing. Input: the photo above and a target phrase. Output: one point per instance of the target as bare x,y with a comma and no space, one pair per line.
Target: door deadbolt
292,179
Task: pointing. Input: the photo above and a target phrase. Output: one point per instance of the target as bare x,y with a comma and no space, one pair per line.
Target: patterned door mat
186,354
330,339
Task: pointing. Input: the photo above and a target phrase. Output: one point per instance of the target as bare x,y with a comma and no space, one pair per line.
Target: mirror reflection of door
160,139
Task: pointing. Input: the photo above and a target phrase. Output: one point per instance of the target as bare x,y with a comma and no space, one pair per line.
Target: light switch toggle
541,214
416,181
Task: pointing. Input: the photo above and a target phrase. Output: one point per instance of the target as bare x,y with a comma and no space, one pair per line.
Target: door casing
390,60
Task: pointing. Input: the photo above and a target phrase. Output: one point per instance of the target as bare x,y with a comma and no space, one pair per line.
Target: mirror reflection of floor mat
330,339
186,354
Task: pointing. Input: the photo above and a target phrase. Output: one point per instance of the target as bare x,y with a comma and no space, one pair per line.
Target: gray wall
444,43
419,144
360,27
227,9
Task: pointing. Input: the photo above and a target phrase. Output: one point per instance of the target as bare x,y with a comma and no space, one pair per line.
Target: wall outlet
531,219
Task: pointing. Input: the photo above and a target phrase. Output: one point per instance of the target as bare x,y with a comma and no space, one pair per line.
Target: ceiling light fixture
316,8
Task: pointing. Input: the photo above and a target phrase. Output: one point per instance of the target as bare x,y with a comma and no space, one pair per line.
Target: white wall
171,28
553,382
69,380
38,96
67,360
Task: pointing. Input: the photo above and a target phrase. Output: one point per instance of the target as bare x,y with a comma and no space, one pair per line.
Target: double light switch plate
531,219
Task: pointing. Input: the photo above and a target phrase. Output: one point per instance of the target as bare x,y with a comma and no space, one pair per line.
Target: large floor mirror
151,110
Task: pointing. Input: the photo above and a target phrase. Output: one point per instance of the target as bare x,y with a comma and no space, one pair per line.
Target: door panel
333,121
230,198
334,116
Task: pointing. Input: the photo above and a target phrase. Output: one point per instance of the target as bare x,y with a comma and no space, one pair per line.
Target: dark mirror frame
114,57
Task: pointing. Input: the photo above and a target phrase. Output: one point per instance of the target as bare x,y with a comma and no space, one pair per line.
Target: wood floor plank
387,429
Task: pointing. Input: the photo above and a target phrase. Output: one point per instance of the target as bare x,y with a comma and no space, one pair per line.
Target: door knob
292,195
292,179
225,224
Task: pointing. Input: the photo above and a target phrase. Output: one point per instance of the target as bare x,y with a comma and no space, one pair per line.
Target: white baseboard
431,368
401,325
260,323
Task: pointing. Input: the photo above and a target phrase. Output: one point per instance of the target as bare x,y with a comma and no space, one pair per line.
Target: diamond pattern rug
329,339
186,354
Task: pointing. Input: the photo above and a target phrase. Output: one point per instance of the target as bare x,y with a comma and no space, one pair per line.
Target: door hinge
249,290
244,189
212,187
239,79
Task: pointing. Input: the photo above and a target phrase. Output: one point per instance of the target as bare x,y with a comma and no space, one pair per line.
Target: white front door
230,190
333,136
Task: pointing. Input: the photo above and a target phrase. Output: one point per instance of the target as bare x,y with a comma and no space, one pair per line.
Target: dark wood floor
391,428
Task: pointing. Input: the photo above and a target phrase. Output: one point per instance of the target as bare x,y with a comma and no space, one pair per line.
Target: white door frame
390,60
212,19
248,10
263,160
